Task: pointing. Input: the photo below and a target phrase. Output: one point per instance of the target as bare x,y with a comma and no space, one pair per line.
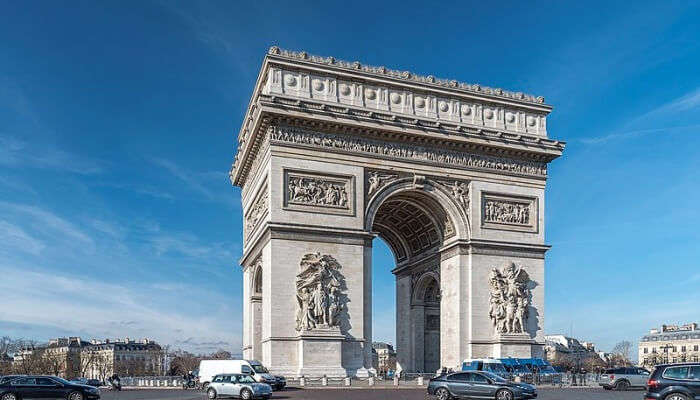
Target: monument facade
451,175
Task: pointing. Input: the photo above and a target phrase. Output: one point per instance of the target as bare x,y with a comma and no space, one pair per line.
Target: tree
622,352
183,362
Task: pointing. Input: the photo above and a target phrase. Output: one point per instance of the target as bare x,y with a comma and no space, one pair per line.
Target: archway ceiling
407,228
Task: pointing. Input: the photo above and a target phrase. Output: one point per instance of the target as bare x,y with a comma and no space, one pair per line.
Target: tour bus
208,369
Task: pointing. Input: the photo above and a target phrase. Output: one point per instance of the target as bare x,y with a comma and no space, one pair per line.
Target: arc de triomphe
451,175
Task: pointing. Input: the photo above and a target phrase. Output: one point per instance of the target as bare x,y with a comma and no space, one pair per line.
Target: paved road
365,394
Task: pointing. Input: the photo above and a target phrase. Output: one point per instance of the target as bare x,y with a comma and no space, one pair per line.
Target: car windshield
494,367
547,368
493,377
245,379
258,368
60,380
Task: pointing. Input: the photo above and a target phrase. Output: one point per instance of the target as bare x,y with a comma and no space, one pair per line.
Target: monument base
516,345
320,353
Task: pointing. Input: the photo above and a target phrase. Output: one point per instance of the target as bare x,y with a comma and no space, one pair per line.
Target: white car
210,368
237,385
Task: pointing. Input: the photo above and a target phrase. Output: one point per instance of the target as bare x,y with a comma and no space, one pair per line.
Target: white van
208,369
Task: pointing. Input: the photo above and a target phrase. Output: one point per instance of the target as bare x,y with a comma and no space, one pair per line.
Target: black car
41,387
478,384
674,382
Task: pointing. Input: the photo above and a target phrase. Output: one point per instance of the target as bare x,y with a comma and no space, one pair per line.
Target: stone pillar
454,301
256,331
418,335
404,337
247,315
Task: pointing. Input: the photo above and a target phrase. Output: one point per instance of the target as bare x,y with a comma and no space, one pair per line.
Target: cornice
430,81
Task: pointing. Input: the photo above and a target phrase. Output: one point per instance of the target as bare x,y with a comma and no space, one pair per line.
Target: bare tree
182,362
622,353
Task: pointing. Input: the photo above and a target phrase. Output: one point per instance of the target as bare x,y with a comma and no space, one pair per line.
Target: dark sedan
42,387
479,385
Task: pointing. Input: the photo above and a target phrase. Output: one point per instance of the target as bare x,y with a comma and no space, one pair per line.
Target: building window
683,349
646,350
695,348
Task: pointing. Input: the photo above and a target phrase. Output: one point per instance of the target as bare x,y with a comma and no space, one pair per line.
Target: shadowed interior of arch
413,226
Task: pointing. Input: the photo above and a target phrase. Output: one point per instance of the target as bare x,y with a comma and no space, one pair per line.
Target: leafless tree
622,353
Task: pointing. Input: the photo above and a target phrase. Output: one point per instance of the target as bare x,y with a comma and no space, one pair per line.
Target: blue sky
118,124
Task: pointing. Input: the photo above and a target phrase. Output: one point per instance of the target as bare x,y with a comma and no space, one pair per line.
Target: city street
365,394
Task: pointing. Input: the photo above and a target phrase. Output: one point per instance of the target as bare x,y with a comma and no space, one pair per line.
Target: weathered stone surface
450,175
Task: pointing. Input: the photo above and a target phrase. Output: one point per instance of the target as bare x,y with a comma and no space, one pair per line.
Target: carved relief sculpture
257,211
376,179
509,299
511,212
317,191
319,297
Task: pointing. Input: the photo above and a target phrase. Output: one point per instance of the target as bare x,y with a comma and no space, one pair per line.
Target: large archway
413,222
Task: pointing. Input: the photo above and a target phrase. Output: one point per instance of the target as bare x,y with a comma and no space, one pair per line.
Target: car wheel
9,396
622,385
504,394
205,385
675,396
443,394
75,396
211,393
246,395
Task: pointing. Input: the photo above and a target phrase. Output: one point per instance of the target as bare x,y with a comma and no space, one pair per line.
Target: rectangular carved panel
506,212
257,211
321,193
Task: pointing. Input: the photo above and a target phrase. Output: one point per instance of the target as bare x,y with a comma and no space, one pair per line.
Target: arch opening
414,225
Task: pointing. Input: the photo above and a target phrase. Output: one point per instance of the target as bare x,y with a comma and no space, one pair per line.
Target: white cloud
85,305
16,238
48,223
18,154
199,181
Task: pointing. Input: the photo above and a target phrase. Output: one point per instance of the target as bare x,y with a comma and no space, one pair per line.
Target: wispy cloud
658,120
635,133
47,223
198,182
18,154
15,237
101,308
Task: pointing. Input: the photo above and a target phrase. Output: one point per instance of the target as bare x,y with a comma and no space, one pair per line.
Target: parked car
478,384
237,385
674,382
41,387
210,368
624,378
8,377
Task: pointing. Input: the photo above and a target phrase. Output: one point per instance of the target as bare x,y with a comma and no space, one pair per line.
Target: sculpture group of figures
317,192
319,297
509,299
509,212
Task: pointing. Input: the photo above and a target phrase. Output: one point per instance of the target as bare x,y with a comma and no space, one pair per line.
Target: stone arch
423,286
437,192
256,308
256,288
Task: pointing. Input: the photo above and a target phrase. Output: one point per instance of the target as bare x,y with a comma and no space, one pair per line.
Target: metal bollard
420,381
324,381
370,381
396,380
347,381
302,381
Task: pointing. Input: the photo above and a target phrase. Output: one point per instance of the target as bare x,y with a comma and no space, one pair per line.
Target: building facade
569,352
671,343
452,176
386,357
73,357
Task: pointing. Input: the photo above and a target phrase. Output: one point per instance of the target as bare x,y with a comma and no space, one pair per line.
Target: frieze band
396,150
